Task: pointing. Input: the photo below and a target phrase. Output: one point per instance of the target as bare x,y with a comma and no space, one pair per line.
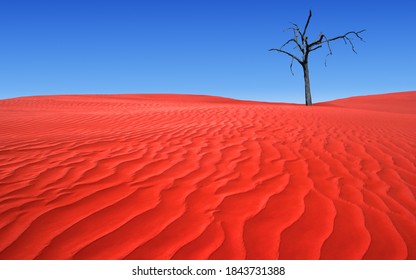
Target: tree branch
315,48
298,31
346,36
289,54
306,25
291,67
322,39
318,40
296,42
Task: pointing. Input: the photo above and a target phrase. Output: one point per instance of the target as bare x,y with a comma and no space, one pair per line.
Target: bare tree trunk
308,97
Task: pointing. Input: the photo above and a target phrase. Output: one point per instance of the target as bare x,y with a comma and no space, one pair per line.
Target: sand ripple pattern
198,177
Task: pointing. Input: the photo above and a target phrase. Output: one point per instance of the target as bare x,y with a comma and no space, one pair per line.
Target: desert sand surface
157,176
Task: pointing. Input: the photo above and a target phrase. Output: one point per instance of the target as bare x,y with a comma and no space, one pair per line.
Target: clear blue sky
214,47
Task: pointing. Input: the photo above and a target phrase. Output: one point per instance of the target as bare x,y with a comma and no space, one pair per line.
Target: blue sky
203,47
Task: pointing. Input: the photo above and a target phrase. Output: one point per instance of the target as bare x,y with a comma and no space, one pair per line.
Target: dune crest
198,177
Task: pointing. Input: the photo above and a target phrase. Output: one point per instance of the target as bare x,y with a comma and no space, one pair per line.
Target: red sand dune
199,177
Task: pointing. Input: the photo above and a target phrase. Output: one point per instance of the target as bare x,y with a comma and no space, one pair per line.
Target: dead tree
300,42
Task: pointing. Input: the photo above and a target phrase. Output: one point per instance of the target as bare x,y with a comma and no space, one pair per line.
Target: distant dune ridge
198,177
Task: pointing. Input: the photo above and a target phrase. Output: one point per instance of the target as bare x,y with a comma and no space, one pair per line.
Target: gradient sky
205,47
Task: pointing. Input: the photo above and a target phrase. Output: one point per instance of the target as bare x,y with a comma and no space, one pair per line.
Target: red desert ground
197,177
